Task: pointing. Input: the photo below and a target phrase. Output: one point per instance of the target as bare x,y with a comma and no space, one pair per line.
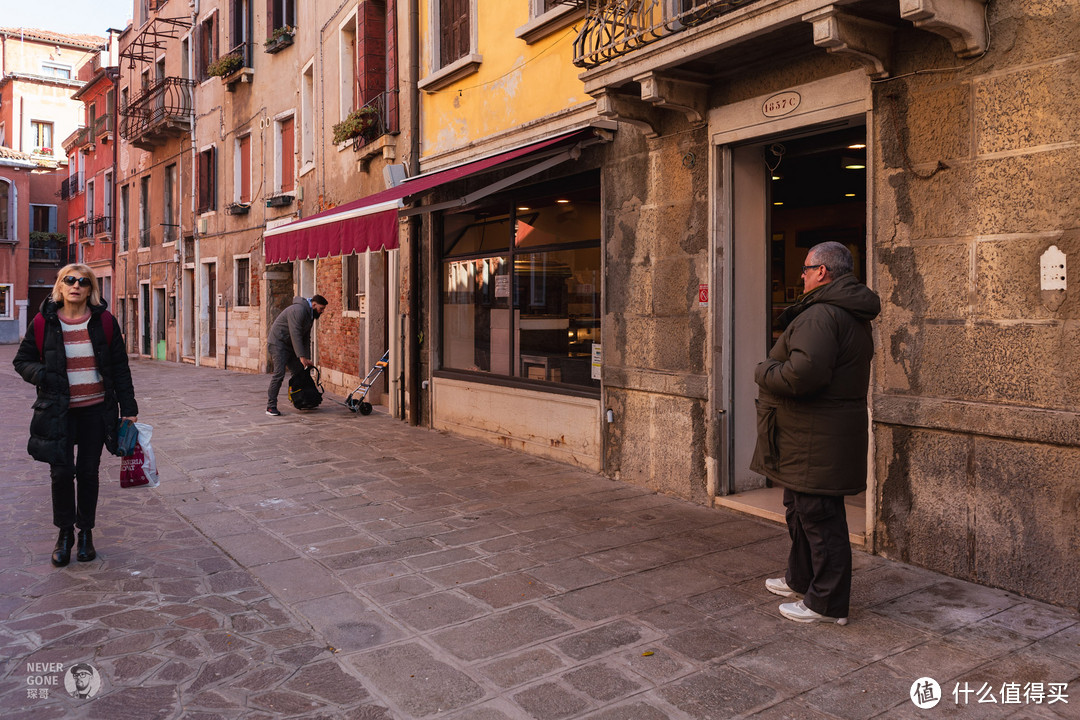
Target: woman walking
75,355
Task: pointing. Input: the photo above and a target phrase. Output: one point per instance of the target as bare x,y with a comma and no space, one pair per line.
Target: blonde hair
85,271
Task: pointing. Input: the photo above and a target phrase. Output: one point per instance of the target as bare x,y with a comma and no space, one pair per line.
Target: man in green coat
812,429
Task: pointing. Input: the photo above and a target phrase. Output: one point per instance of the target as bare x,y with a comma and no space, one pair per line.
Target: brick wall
339,335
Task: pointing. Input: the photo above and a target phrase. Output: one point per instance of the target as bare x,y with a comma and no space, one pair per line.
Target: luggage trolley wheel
365,408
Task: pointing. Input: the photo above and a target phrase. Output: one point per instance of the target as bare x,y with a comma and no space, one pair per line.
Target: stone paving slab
329,565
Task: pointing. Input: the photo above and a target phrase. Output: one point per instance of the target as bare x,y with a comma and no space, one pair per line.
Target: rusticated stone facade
975,407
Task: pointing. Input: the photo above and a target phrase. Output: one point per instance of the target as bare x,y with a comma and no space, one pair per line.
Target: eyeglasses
811,267
70,281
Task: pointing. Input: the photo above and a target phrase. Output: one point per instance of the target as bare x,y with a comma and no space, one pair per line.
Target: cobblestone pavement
330,565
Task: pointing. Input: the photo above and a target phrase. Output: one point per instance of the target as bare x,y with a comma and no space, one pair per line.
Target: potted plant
282,37
360,123
225,65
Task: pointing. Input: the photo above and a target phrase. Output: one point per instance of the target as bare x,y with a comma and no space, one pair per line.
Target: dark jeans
75,481
819,564
284,359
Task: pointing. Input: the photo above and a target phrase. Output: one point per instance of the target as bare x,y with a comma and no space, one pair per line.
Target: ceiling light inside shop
851,163
857,146
775,177
523,209
778,203
849,194
562,202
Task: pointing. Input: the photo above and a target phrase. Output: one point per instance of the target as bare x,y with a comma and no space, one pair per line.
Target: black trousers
819,564
75,481
284,359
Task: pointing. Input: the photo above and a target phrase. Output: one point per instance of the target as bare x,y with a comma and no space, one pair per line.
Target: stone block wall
655,334
977,386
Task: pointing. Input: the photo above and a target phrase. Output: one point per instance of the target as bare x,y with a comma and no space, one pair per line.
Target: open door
789,193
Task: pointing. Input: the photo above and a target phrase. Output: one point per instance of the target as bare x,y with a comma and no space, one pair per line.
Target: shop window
520,285
6,310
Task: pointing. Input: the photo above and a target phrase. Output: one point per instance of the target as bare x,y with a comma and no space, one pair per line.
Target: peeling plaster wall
655,334
977,385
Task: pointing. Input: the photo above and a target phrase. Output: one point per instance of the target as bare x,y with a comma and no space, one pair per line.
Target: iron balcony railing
54,251
164,108
85,228
102,125
71,186
385,118
613,28
102,225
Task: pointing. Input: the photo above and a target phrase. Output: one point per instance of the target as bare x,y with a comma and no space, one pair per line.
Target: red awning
371,223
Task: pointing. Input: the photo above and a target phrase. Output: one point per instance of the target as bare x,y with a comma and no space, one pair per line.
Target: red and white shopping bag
139,468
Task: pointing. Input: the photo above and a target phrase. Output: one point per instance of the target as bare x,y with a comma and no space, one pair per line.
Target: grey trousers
284,359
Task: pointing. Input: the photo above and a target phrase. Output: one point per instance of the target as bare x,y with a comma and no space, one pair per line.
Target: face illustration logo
82,681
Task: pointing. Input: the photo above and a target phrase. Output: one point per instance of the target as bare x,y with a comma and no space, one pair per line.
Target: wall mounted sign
781,104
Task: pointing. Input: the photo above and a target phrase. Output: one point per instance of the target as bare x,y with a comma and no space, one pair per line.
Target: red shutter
203,180
288,157
212,184
245,169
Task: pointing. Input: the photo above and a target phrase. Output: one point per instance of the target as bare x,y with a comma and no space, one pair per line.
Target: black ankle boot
61,555
86,546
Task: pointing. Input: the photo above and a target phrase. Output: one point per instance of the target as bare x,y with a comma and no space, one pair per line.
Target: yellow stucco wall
516,84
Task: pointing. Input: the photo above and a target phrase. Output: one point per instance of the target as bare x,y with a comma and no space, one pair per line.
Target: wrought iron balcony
160,113
77,139
103,225
102,126
384,119
613,28
71,186
48,249
85,228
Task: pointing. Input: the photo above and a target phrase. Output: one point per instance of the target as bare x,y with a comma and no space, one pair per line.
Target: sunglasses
70,281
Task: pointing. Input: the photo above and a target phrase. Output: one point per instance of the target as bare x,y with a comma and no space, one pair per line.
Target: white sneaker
779,586
798,612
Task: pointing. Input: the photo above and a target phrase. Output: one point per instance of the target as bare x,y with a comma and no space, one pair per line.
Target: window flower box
362,123
281,38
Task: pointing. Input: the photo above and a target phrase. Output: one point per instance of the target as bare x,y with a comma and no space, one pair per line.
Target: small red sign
703,294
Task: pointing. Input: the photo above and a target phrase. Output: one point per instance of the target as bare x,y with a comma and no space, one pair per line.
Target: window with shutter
207,180
288,158
453,31
244,181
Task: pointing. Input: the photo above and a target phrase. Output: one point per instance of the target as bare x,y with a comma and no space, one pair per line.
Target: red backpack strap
39,333
107,325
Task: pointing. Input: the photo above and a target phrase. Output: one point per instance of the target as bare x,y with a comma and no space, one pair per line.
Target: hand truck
360,404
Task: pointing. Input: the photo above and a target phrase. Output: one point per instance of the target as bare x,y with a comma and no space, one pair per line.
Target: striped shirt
87,387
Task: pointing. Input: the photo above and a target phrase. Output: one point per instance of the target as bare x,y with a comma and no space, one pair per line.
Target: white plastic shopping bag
139,468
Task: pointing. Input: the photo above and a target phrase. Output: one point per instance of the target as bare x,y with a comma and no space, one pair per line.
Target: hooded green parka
811,406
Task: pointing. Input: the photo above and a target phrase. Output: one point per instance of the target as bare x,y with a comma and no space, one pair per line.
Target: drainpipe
413,323
196,284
